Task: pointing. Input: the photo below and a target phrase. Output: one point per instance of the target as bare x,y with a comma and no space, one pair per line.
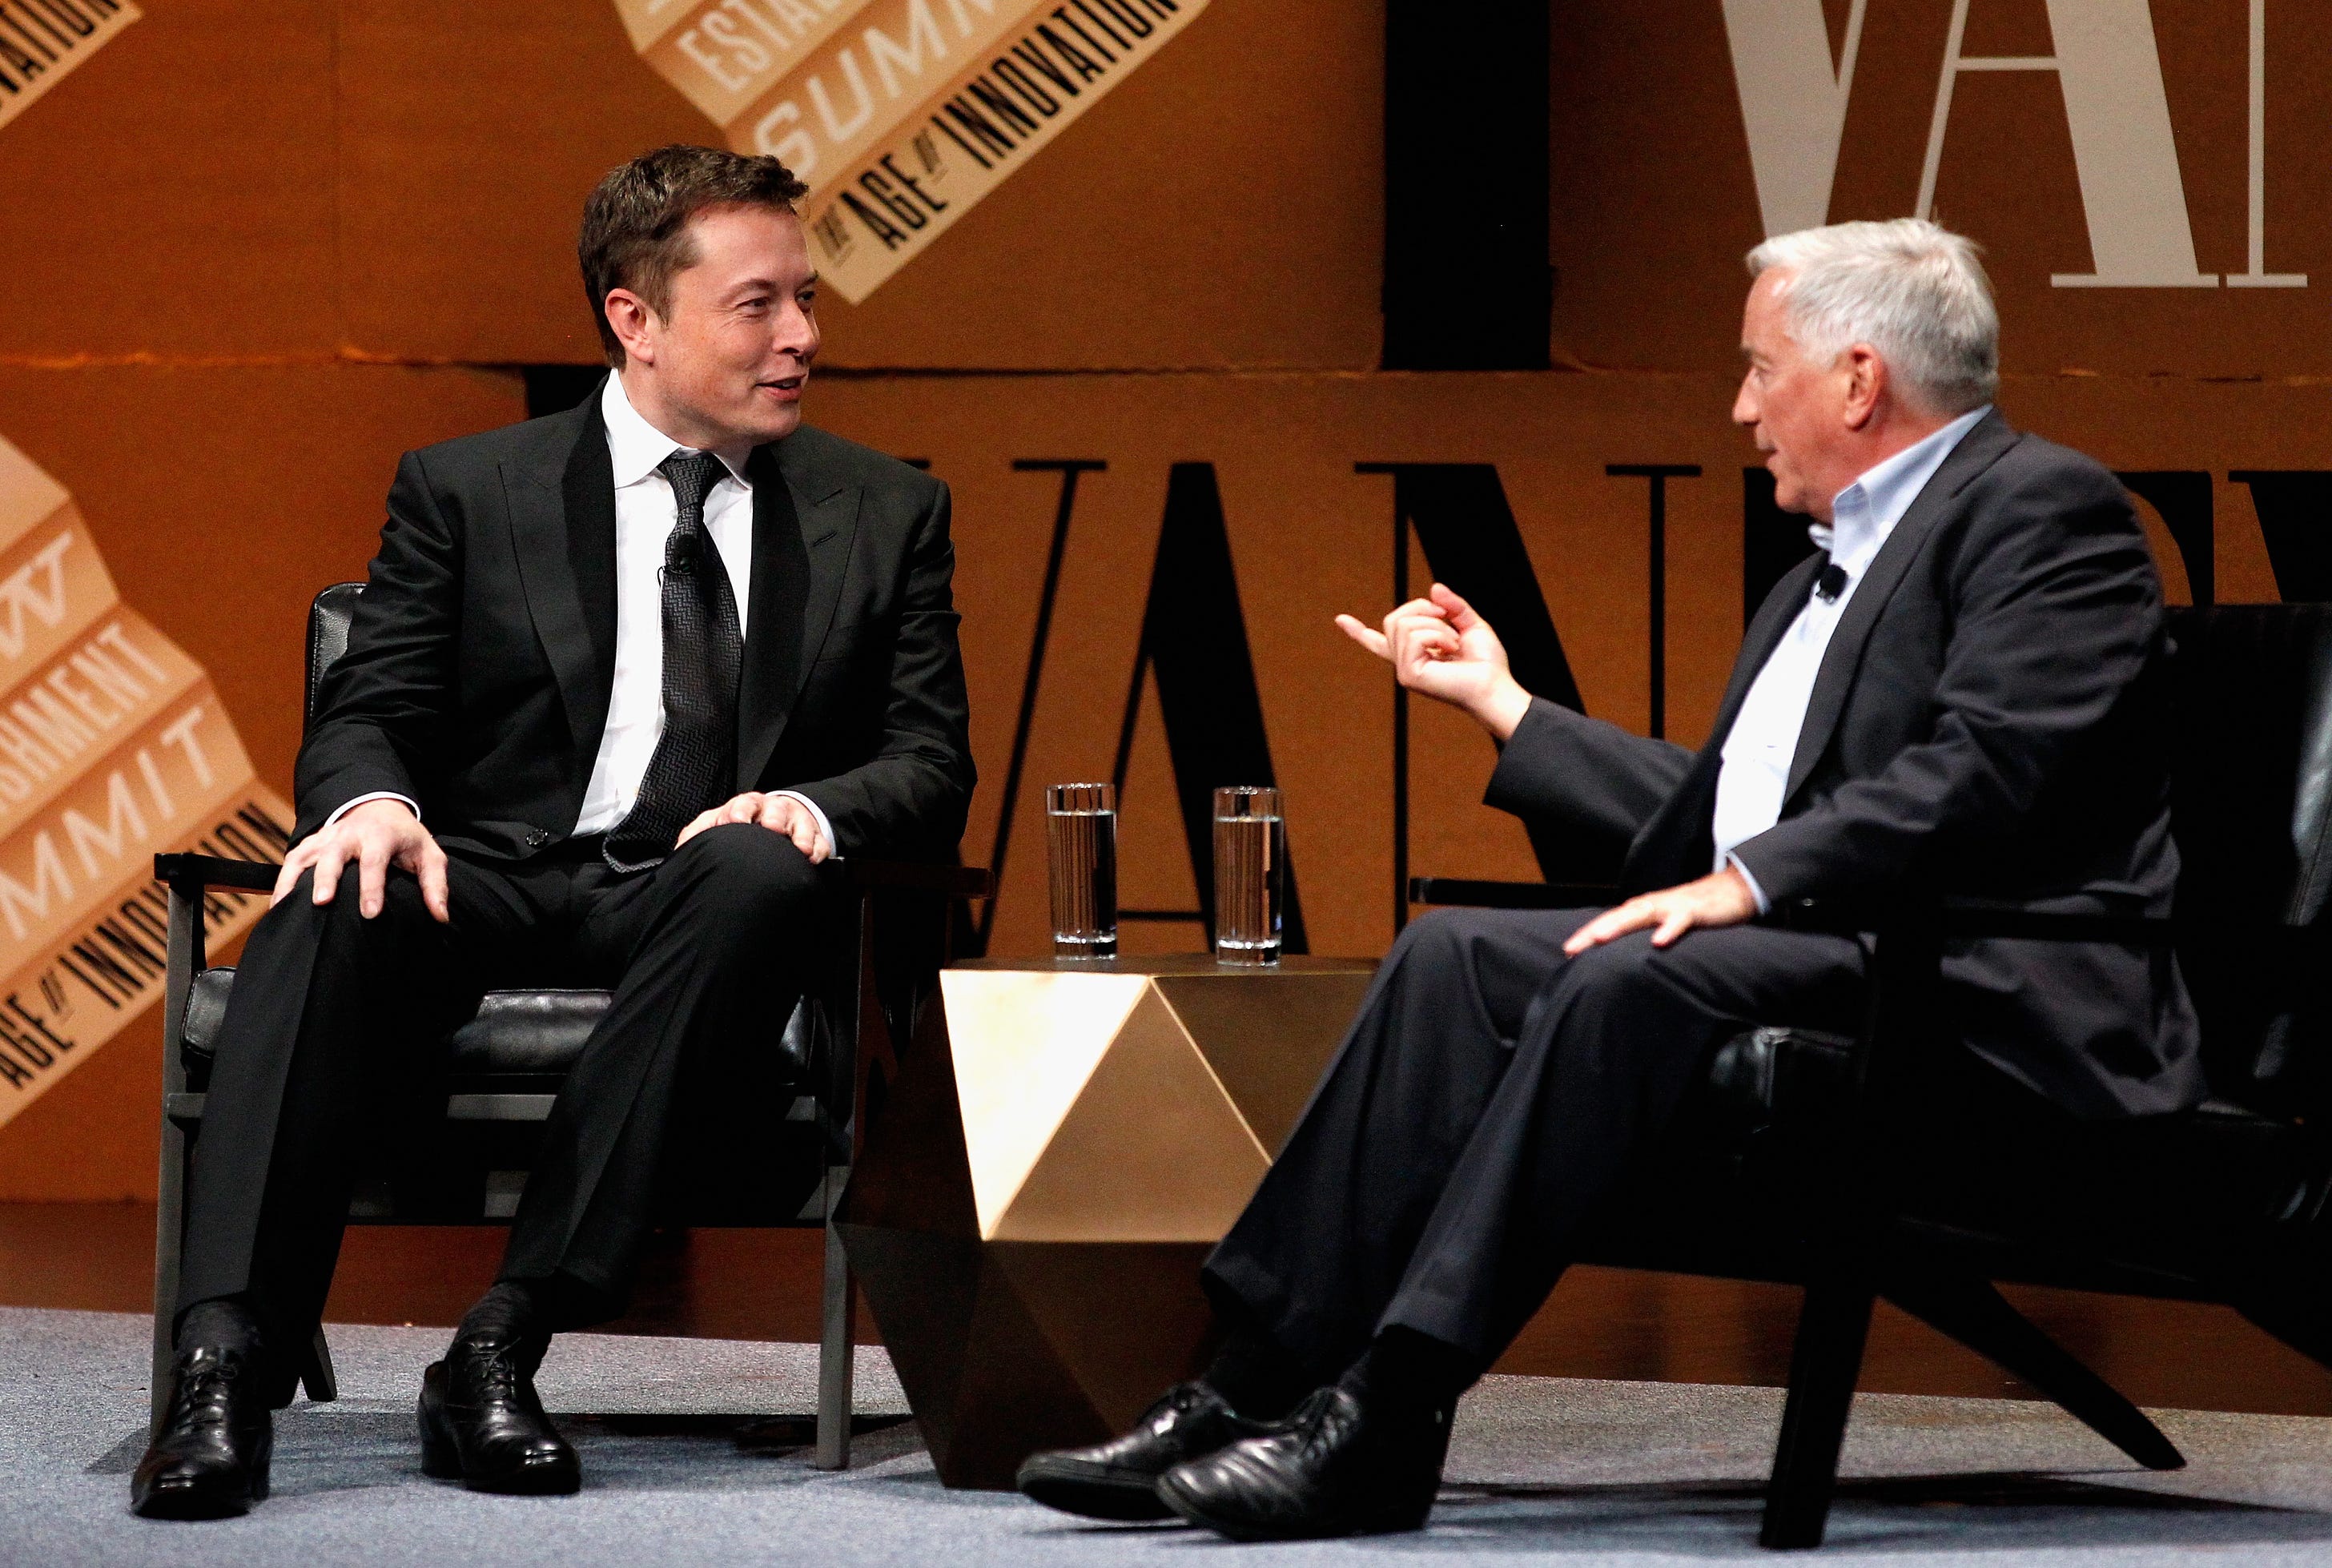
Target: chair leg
1832,1326
316,1374
169,1241
1974,1313
170,1250
835,1351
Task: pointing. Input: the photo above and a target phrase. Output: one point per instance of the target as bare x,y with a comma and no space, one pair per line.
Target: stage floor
763,1285
682,1465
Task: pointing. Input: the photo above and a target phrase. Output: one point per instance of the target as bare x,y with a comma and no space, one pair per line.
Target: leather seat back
2251,782
327,636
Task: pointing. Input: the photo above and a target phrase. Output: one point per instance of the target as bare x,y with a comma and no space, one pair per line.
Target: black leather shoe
483,1424
211,1461
1336,1468
1119,1480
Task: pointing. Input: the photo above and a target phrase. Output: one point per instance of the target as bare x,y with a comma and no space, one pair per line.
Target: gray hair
1913,291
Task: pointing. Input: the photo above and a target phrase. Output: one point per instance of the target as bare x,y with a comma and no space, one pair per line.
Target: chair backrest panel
327,636
2251,734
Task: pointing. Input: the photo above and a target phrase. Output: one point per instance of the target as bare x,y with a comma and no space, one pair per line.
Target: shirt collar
634,445
1867,509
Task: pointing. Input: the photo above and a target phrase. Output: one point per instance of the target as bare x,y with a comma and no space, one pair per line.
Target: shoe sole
185,1503
560,1479
189,1503
1193,1512
1092,1493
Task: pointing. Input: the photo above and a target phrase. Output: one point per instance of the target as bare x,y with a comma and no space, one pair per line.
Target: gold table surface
1134,1099
1066,1140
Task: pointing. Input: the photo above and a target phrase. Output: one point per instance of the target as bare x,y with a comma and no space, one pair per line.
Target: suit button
537,838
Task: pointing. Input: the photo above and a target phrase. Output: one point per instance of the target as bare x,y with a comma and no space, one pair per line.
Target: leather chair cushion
526,1033
1776,1074
516,1033
2181,1192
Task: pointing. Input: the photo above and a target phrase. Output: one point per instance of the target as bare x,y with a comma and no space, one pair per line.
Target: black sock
515,1312
1404,1371
1256,1375
222,1322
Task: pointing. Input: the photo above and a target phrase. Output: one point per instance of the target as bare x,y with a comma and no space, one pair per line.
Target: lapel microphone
1831,584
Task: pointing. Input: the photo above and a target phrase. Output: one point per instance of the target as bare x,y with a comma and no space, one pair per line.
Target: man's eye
808,298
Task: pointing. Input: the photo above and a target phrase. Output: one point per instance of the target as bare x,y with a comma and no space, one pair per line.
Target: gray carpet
1576,1472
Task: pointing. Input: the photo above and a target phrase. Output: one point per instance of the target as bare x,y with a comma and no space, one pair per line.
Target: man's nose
797,334
1745,407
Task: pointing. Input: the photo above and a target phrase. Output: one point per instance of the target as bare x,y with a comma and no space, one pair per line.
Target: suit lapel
1978,450
1774,618
1674,846
562,514
804,523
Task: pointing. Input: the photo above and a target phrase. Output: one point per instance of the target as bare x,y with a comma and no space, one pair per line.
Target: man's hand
1440,648
1723,899
377,834
779,813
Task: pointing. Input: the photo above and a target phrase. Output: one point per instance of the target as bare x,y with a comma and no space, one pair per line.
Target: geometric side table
1065,1142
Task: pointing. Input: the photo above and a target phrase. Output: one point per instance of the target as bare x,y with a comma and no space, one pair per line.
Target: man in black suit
624,683
1954,694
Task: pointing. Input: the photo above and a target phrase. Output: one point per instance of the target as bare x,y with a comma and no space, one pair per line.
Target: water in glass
1080,845
1251,873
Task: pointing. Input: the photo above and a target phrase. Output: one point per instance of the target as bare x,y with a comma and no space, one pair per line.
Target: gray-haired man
1951,693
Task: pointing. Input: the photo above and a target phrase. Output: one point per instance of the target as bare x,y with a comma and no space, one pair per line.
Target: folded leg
1325,1240
1611,1045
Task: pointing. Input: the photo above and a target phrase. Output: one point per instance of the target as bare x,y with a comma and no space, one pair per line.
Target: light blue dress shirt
1763,740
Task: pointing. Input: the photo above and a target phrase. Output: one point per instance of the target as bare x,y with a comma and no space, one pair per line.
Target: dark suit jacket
482,652
1986,722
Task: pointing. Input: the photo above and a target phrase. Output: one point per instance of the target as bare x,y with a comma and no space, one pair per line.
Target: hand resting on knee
779,813
375,835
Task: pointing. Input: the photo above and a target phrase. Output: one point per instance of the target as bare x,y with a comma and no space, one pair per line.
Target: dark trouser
1491,1093
334,1047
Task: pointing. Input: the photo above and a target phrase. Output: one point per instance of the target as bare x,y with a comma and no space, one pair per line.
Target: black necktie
1831,584
703,650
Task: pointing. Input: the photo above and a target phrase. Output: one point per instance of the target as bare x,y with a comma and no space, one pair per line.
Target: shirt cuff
824,829
410,805
1765,904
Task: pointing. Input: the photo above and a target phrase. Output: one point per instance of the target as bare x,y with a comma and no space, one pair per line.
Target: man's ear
1865,385
628,316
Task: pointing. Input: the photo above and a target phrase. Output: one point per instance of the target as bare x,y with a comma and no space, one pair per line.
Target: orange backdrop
262,251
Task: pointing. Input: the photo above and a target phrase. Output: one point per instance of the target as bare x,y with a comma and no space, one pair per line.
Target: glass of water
1251,873
1081,847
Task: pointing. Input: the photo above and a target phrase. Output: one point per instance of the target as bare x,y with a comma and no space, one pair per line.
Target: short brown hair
635,224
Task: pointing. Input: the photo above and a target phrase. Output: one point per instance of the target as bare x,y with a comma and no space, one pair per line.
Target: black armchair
506,1065
1793,1169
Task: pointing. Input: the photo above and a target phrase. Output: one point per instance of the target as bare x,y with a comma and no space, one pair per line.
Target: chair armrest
1974,918
192,873
1447,890
922,876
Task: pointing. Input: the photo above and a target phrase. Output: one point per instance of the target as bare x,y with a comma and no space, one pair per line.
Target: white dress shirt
1763,740
645,515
